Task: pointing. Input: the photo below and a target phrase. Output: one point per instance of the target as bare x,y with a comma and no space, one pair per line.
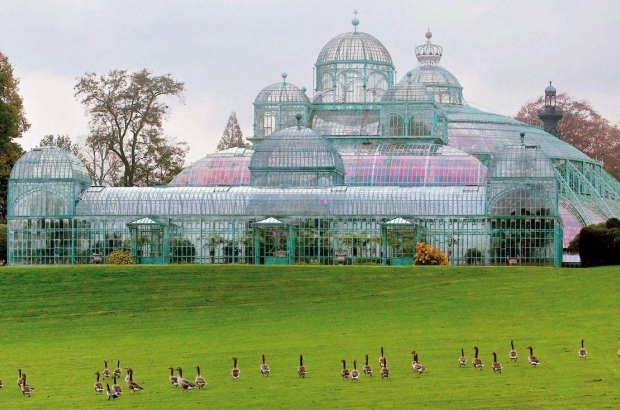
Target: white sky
503,52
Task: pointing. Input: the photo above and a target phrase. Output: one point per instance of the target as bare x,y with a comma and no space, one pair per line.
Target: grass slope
58,324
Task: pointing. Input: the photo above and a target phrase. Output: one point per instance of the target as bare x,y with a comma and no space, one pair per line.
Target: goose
533,360
235,372
355,374
367,368
385,372
117,387
200,381
382,358
477,361
301,370
264,368
174,381
462,359
118,371
513,352
415,365
112,394
496,366
26,388
133,386
1,384
345,373
184,383
619,350
127,370
98,385
582,352
20,380
106,371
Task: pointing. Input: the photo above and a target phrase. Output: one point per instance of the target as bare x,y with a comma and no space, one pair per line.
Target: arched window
419,125
393,125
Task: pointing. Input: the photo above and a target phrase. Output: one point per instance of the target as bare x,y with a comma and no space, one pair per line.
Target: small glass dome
51,164
439,81
276,105
281,92
296,157
407,91
356,46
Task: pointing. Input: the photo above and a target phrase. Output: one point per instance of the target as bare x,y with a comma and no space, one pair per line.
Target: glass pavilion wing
51,163
248,201
229,167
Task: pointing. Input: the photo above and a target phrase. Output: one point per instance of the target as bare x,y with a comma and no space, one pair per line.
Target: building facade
359,173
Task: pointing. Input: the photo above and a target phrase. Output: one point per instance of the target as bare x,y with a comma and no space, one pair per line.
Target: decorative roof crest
429,53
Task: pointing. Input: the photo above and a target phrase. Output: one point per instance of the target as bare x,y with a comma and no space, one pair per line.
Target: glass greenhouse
358,174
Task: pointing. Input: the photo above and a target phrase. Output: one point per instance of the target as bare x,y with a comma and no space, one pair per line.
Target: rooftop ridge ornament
429,53
355,21
298,117
284,75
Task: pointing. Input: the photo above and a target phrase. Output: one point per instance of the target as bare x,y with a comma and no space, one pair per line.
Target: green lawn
59,323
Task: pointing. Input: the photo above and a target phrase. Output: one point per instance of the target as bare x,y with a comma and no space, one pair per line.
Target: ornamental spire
355,20
429,53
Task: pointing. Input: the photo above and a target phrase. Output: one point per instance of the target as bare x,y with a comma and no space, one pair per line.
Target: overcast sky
503,52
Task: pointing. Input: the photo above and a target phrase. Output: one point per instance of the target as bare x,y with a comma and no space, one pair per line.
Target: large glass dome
356,46
353,68
296,157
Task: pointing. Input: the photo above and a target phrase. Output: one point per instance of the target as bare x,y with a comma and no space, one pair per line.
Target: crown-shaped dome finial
429,53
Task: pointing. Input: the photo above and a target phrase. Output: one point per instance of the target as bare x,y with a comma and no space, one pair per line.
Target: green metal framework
379,168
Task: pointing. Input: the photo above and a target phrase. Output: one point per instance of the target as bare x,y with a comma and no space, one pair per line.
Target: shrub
182,250
3,235
473,256
429,255
599,246
120,257
573,245
612,223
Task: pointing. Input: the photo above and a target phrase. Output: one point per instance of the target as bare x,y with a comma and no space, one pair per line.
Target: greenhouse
359,173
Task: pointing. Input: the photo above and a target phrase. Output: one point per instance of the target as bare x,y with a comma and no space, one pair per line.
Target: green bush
473,256
120,257
3,242
182,251
612,223
428,255
573,245
599,245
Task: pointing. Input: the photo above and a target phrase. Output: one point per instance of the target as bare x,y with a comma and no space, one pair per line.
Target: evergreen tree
232,136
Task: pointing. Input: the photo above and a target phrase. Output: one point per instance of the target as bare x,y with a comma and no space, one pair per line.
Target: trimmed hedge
599,245
3,242
120,257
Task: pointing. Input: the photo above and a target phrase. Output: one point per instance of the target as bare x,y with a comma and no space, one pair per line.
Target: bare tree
125,110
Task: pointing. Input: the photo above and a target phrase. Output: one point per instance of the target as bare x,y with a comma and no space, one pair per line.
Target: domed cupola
408,109
353,67
276,105
46,182
296,157
439,81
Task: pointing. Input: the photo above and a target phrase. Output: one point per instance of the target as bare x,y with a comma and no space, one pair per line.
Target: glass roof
50,163
281,92
226,167
479,132
360,122
387,202
410,165
354,46
521,161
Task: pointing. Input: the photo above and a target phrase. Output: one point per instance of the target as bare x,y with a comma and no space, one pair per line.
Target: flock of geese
199,382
